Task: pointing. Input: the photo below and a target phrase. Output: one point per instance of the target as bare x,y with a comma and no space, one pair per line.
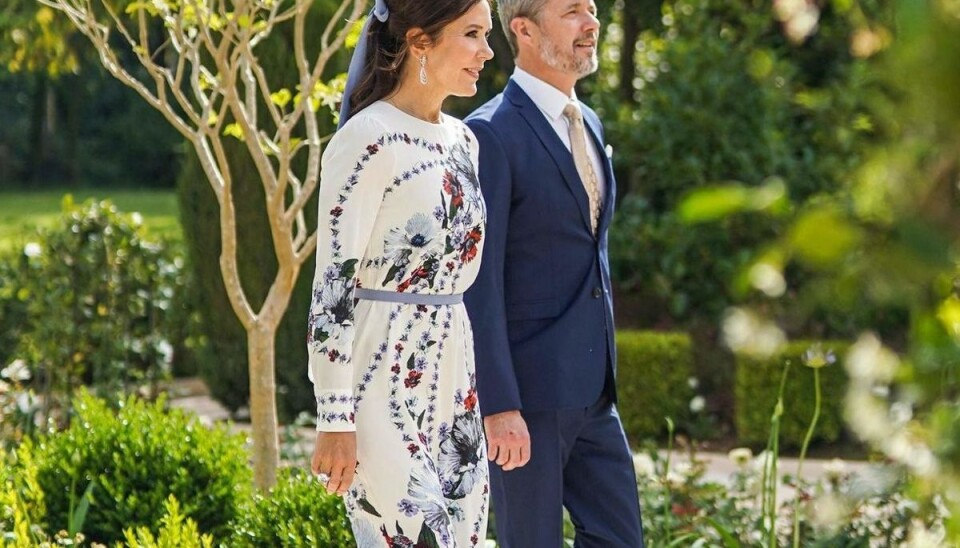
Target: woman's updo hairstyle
387,46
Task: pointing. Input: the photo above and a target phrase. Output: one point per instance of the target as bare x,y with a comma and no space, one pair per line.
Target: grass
21,213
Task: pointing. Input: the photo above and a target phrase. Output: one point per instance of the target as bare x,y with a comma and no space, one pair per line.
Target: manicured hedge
758,382
653,370
137,458
297,512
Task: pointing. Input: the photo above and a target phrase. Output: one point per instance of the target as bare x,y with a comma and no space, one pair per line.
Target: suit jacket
541,307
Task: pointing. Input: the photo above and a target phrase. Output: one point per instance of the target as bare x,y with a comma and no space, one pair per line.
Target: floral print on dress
401,211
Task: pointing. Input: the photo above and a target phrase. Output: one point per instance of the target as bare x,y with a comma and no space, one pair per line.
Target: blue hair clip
382,13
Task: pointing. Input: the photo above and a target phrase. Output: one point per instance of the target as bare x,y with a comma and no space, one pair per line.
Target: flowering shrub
91,302
841,509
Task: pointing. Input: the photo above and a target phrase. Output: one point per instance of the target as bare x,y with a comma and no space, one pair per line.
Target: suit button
597,292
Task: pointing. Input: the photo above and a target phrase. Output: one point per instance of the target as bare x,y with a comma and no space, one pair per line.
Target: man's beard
567,61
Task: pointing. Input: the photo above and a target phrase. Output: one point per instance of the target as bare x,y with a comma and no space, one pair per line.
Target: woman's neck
418,103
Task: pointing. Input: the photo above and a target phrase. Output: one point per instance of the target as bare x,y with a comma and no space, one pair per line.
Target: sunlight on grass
21,213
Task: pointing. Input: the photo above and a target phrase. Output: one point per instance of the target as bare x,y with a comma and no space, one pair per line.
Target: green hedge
136,458
298,512
653,370
758,382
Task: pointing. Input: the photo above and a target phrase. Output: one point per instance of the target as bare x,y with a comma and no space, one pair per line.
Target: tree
202,72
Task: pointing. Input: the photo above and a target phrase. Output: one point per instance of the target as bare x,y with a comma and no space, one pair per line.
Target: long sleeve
355,169
496,380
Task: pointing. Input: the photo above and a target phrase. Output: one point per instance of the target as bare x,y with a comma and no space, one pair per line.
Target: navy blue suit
542,315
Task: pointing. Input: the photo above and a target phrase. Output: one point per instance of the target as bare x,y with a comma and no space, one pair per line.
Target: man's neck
540,70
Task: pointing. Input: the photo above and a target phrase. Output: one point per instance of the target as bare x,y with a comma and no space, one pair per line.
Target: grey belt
407,298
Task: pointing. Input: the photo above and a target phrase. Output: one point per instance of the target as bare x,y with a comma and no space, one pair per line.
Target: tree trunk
628,50
261,341
38,115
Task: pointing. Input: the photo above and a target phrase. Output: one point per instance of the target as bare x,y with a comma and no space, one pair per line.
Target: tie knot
572,113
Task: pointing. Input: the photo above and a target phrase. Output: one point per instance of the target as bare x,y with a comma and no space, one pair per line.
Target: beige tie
578,146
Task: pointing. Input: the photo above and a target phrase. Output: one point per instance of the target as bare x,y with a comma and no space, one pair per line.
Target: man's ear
523,28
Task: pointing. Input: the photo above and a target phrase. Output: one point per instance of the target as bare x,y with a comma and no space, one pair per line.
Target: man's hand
508,442
335,456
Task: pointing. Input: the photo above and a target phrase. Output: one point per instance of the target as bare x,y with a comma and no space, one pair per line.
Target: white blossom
17,371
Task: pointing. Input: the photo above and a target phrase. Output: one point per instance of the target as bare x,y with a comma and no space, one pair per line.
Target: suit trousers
579,460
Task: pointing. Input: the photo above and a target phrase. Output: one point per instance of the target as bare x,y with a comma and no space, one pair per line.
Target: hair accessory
357,62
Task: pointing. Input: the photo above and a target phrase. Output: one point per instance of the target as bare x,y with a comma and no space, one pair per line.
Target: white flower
740,456
425,491
830,512
32,250
921,537
644,466
693,383
697,404
905,448
866,415
420,233
869,360
17,371
745,332
333,310
684,468
165,349
768,279
799,17
901,412
675,480
26,402
835,469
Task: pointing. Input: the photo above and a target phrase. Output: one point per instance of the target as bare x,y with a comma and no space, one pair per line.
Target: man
541,307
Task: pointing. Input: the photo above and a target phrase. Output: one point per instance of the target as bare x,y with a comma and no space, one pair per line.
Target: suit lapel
609,194
555,147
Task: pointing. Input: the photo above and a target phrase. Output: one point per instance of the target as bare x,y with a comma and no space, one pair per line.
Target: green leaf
281,98
427,538
728,539
367,507
354,35
715,203
79,514
348,269
822,237
234,130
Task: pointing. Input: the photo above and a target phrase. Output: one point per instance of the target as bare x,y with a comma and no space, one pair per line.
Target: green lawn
22,212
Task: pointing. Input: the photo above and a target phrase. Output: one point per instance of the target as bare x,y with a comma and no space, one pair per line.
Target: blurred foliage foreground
890,236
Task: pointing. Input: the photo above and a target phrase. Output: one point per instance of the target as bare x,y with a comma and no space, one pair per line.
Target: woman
399,240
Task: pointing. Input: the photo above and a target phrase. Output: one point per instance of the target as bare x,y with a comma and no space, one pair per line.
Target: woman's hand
335,456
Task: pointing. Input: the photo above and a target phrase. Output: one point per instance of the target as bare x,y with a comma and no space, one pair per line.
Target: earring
423,70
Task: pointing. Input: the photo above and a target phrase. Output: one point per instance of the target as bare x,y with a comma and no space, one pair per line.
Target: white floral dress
401,214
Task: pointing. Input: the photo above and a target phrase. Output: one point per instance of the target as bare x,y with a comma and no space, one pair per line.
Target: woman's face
454,61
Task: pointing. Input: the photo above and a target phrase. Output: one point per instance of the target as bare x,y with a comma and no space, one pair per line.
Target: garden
784,253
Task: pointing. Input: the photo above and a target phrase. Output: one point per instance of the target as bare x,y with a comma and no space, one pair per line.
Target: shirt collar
548,98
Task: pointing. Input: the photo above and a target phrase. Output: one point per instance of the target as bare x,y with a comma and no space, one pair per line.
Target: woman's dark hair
387,43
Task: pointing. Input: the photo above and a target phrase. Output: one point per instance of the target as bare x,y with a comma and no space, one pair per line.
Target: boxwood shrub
653,370
297,512
758,382
136,458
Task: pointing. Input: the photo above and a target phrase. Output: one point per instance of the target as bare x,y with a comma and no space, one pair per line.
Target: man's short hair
509,10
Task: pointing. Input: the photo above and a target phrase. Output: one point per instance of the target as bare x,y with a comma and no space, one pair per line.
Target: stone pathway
191,394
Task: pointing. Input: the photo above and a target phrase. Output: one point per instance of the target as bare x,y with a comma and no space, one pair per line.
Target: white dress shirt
551,102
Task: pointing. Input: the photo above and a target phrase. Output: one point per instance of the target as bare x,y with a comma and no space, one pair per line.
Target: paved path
191,394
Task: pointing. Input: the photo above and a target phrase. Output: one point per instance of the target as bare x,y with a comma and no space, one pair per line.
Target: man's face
569,30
